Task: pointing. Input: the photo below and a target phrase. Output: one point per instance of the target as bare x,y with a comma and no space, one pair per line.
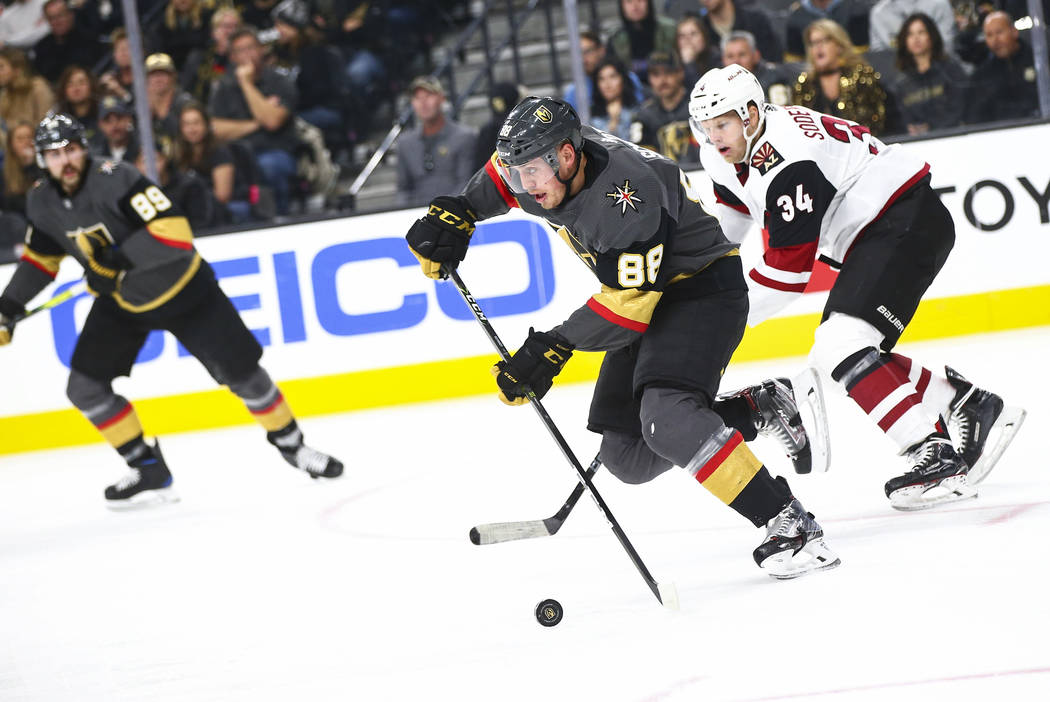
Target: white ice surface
264,585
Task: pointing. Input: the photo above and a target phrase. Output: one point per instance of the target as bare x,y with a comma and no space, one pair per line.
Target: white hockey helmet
722,90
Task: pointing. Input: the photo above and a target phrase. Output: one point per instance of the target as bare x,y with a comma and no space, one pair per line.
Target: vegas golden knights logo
544,115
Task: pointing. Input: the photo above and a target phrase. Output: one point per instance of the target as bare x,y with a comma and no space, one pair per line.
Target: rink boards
348,322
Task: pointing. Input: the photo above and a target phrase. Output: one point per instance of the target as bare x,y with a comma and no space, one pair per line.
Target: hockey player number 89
149,202
634,268
803,202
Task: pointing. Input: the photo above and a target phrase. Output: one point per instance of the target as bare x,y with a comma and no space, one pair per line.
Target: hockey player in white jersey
825,188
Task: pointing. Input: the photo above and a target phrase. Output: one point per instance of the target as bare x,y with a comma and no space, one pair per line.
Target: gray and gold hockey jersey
114,206
637,224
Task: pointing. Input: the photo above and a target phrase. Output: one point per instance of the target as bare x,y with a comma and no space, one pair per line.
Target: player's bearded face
66,164
726,133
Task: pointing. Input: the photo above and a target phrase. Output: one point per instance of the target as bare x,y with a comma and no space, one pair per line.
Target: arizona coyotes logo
544,115
625,197
766,158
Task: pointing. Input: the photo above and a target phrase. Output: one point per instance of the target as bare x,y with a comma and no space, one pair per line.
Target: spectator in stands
165,96
931,89
696,48
502,99
358,37
205,65
662,122
189,193
315,67
68,42
614,105
592,52
118,140
22,24
437,156
17,177
969,44
256,104
23,96
20,168
837,81
185,26
257,13
118,81
852,15
197,150
725,16
776,79
888,16
642,31
1003,86
78,96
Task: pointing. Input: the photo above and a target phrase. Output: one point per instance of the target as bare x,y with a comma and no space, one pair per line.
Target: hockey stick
499,532
664,593
64,296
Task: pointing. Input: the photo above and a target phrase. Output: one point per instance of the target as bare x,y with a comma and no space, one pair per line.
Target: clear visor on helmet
532,175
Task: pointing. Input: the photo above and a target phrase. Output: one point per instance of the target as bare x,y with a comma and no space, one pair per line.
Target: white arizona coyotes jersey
814,182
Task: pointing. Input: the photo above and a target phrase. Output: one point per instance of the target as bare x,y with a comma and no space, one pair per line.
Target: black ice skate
794,545
776,415
938,476
975,416
147,483
289,441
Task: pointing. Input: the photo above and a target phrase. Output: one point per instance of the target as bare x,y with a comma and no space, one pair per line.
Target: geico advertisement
323,298
344,295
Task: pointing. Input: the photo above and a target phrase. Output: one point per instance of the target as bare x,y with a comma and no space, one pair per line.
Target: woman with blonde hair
837,80
23,96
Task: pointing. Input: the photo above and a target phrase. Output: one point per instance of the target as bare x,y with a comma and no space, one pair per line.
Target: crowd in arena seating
243,93
246,96
895,66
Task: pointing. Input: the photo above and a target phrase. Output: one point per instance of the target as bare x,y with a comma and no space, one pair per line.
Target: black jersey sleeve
38,266
145,205
487,193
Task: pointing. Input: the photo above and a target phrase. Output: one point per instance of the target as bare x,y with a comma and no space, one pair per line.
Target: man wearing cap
254,104
662,122
166,98
438,155
116,139
66,45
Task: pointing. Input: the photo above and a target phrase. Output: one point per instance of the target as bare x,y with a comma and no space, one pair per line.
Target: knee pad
675,422
629,460
89,395
256,388
844,346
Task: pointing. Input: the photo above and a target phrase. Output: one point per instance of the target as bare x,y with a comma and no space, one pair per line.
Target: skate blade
919,497
144,500
809,396
1003,432
813,557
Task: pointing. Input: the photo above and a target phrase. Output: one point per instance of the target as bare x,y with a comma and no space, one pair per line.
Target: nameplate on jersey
766,158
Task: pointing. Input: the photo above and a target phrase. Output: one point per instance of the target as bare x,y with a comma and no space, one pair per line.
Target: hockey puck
549,612
475,536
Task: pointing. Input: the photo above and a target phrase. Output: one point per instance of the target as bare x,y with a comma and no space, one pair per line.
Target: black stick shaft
585,480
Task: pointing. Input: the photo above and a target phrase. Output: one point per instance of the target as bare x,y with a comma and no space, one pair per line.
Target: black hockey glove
441,236
533,367
106,267
10,313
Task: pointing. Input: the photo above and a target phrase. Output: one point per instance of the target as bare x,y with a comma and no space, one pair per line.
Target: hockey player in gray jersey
825,187
137,252
671,310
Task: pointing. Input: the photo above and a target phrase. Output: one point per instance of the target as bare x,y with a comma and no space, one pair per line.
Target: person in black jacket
67,44
931,89
1003,86
725,16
